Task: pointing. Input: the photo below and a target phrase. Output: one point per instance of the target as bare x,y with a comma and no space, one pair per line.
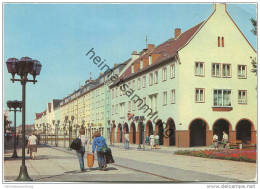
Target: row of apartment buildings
193,85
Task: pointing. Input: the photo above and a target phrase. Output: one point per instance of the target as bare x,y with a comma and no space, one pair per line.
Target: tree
253,60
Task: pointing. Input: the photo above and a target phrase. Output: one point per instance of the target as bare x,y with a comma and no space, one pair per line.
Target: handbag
105,149
76,144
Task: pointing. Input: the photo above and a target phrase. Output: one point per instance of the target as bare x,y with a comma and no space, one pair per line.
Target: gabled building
186,89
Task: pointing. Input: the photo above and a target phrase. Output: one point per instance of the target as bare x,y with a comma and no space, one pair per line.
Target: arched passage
170,131
219,126
148,128
132,133
126,128
119,133
198,130
160,131
244,130
141,132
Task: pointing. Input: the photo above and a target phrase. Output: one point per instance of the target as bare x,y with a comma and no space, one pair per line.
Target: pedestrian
126,140
225,140
152,141
80,153
98,144
215,141
147,140
32,145
156,140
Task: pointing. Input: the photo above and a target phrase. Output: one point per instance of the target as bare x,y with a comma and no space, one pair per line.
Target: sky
59,36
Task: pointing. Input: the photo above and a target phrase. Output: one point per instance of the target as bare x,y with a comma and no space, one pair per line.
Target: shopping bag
90,159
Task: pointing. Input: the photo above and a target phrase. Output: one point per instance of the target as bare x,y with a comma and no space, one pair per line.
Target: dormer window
132,68
141,64
150,60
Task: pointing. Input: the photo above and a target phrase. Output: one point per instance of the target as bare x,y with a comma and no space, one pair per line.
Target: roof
165,51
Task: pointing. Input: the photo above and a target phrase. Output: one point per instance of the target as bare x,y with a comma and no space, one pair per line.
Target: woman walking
32,145
81,151
99,143
152,141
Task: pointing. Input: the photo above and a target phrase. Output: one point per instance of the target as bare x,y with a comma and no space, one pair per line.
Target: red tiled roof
165,51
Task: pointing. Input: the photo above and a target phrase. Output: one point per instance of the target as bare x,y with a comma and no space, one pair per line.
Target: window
241,71
113,109
144,81
129,106
199,95
133,106
242,97
172,70
226,70
199,68
222,41
139,84
165,98
150,78
172,97
164,74
141,64
156,77
150,60
216,69
222,97
112,93
133,84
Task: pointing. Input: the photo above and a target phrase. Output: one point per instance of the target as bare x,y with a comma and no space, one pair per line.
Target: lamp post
14,104
56,131
64,129
70,128
23,67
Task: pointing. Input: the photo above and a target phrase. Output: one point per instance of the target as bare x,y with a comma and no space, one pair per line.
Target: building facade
189,87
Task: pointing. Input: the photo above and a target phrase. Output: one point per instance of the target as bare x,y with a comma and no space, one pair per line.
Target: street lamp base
23,175
15,154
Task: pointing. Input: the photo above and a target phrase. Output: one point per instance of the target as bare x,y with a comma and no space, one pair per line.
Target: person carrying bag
99,144
78,144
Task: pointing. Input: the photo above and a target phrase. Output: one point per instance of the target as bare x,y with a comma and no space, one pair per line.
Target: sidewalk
54,165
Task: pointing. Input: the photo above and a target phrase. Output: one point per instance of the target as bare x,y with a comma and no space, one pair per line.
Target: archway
133,133
126,129
244,129
198,129
141,132
113,133
171,131
160,131
220,126
119,133
149,128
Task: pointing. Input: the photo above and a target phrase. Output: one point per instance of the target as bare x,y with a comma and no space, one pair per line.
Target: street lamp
70,128
56,131
23,67
14,104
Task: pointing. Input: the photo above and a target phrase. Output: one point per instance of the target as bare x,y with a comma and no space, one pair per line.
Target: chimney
150,47
134,55
177,33
115,65
100,74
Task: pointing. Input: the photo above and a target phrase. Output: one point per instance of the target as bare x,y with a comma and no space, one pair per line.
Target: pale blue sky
59,35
